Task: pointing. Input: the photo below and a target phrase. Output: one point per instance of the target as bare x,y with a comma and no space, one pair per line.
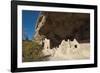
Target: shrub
31,51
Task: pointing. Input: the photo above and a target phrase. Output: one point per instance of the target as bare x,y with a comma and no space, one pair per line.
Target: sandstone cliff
58,26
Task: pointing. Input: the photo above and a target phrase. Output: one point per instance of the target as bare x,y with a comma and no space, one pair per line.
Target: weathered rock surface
62,26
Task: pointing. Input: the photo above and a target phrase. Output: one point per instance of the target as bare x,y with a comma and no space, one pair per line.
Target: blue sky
29,19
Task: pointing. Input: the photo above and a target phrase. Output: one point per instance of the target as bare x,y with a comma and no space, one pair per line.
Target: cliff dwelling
64,35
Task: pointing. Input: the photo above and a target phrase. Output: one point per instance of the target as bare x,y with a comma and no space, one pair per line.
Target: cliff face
59,26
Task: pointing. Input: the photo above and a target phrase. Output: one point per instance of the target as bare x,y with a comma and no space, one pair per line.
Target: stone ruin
47,50
66,50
